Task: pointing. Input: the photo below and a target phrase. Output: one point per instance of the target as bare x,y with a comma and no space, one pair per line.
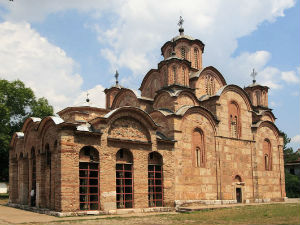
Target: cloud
296,139
44,67
290,77
96,97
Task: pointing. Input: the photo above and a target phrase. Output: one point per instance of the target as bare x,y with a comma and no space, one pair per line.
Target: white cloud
296,139
44,67
290,77
96,97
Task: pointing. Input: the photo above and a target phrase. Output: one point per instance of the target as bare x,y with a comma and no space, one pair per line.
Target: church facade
189,137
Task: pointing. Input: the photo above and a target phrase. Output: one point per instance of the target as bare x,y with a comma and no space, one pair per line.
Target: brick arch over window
234,124
237,178
198,151
267,154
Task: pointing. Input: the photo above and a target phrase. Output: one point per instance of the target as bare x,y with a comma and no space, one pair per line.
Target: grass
3,199
273,214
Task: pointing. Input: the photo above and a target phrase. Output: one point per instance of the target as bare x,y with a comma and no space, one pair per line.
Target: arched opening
174,74
267,154
33,178
234,120
124,179
237,178
257,95
155,179
48,174
199,148
183,52
196,56
89,178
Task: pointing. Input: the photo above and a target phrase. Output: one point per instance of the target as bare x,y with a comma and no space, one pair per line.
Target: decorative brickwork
189,137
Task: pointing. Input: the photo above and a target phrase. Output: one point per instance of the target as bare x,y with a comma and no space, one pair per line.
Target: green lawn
248,215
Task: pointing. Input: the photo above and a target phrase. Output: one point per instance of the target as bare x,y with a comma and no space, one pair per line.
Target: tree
292,182
17,103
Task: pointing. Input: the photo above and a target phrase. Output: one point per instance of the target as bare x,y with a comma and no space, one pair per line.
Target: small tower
257,93
112,91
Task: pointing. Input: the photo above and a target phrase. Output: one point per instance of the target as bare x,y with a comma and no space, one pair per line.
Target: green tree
292,182
17,103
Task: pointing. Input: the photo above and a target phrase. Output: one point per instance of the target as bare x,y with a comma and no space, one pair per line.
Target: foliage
292,182
292,185
17,103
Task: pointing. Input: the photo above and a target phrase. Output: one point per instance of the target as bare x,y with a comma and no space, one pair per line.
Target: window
183,77
124,179
166,77
267,154
196,55
198,146
155,180
183,53
209,85
89,179
257,95
33,176
169,52
174,74
234,121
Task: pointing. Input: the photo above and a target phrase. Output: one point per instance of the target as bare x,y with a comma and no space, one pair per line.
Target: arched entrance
89,179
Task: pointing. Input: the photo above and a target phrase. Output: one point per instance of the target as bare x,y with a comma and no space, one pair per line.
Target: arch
267,153
155,179
234,120
270,125
143,116
124,179
198,144
183,52
28,121
147,81
237,178
89,177
49,119
239,91
215,73
258,97
125,97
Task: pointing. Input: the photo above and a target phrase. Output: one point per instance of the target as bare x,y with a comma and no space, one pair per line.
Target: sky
64,49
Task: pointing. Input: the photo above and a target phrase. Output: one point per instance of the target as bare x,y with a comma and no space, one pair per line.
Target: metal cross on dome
180,23
253,74
117,76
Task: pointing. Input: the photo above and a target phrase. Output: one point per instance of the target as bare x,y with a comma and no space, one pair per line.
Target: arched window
174,74
166,77
48,175
257,95
89,179
33,176
234,120
199,148
169,52
155,179
183,76
196,56
183,52
267,154
209,85
124,179
237,178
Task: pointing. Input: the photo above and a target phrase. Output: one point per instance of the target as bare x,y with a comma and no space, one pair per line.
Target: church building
189,138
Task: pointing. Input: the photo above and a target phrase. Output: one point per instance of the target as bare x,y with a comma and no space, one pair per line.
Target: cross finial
253,74
180,23
87,98
117,76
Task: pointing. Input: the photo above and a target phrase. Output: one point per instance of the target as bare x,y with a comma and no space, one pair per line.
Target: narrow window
267,154
166,77
199,148
170,52
257,93
174,74
234,126
183,76
33,177
89,179
196,53
183,53
155,180
124,179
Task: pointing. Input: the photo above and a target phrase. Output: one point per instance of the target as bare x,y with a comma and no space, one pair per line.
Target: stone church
190,137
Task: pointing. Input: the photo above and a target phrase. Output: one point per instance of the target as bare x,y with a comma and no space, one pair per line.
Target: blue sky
62,49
